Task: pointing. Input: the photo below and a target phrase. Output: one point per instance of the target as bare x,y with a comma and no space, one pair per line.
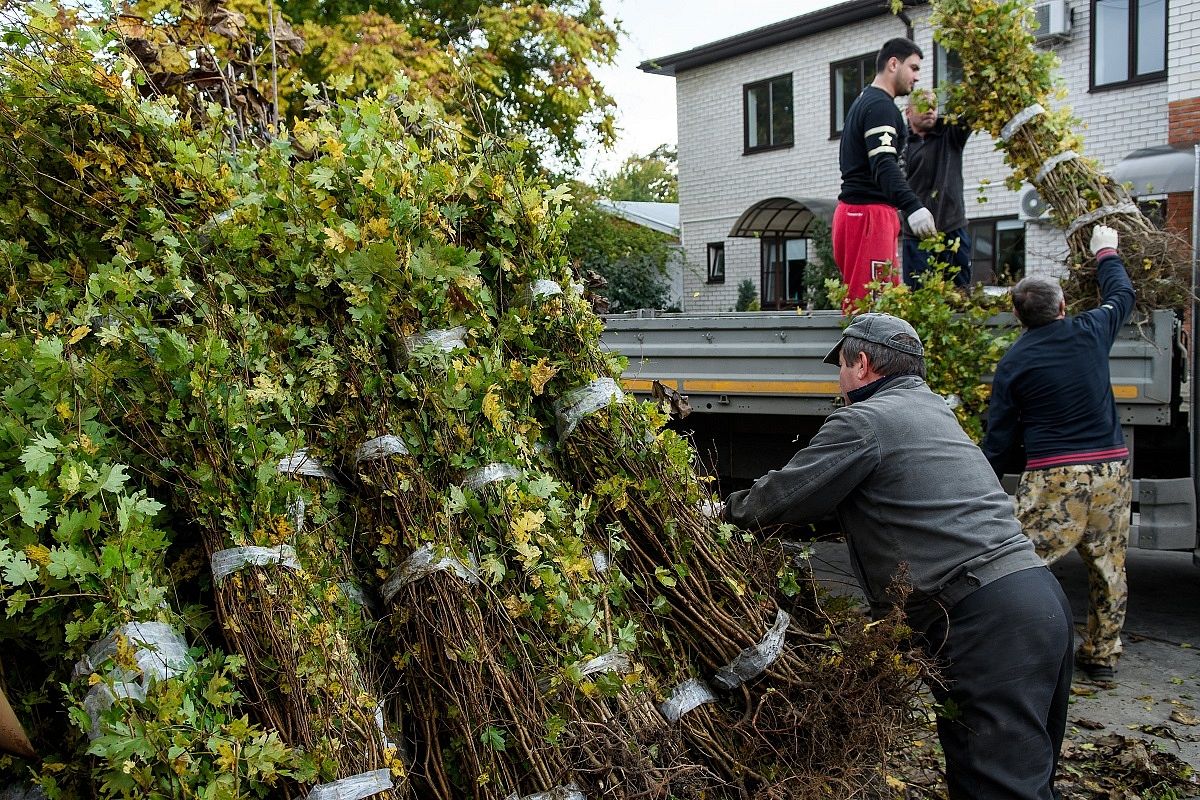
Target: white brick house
757,114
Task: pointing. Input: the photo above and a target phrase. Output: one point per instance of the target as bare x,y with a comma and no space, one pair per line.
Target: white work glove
1103,237
921,222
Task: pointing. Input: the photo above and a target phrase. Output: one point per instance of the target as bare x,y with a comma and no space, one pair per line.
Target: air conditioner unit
1033,206
1053,20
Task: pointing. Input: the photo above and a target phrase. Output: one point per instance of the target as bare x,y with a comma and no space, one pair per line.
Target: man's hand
921,222
1103,238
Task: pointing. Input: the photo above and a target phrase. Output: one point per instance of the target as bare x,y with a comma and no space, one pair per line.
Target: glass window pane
781,110
848,85
1111,55
753,101
797,258
1151,36
1010,255
768,272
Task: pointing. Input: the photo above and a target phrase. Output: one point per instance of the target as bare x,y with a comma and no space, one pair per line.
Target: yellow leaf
78,333
540,374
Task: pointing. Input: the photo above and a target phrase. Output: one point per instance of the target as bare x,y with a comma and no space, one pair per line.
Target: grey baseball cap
880,329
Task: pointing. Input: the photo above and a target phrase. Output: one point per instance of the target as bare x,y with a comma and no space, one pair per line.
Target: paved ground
1156,695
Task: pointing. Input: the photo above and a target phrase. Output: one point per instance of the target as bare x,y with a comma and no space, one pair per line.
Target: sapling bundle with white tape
1008,90
710,591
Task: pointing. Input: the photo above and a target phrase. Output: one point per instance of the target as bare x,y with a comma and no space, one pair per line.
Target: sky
655,28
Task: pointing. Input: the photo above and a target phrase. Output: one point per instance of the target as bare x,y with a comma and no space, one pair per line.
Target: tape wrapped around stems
753,661
160,653
688,695
301,463
600,562
612,661
226,562
423,563
490,473
579,403
380,447
1054,161
540,290
1099,214
1019,121
447,340
356,787
568,792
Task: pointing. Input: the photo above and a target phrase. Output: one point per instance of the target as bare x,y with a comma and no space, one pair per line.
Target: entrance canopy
783,216
1162,169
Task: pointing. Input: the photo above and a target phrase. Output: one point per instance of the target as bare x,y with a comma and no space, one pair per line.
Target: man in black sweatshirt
865,226
1053,391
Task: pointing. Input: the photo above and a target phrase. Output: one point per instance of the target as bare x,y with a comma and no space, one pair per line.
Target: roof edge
770,35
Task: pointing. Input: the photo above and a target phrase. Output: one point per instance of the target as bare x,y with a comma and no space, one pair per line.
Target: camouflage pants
1084,507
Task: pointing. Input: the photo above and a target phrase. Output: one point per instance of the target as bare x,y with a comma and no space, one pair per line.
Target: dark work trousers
1005,658
916,260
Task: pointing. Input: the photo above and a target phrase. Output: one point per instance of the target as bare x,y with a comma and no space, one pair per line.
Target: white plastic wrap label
356,787
690,694
227,562
301,463
296,510
578,403
612,661
491,473
447,340
161,653
1017,122
421,564
1054,161
600,562
712,509
1099,214
568,792
540,290
380,447
753,661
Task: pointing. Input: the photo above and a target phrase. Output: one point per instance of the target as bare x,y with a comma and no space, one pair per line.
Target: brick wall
1183,126
717,182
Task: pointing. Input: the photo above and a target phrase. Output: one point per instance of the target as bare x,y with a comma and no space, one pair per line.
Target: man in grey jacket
912,491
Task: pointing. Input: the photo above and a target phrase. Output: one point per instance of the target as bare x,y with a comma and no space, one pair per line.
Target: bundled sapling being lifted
1007,89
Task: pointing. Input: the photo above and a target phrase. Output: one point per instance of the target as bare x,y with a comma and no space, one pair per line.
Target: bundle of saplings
182,365
1007,90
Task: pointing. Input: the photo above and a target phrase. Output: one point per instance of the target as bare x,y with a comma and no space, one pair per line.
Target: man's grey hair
1036,300
884,360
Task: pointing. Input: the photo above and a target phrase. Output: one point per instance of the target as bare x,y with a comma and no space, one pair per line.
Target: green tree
521,69
651,178
633,259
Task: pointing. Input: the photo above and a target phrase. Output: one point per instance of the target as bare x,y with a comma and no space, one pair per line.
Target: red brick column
1183,127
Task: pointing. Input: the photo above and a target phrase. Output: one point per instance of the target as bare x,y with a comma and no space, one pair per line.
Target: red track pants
864,246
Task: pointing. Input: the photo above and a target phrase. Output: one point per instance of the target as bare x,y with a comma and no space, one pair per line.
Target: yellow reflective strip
636,384
761,387
1123,391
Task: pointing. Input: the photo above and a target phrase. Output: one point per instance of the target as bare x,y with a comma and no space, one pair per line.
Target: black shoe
1101,673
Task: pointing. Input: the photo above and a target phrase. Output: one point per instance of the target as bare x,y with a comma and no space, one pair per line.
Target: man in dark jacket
1053,392
933,165
910,489
865,226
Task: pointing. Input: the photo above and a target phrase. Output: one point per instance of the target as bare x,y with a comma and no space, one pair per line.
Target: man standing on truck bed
910,488
1053,391
933,165
865,226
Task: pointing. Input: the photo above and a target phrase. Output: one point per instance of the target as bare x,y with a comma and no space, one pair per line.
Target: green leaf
68,563
115,480
493,738
16,568
31,505
39,456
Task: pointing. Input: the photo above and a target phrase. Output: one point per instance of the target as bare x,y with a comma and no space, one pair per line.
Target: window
997,251
1129,42
783,263
716,262
947,70
1154,208
768,106
846,79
